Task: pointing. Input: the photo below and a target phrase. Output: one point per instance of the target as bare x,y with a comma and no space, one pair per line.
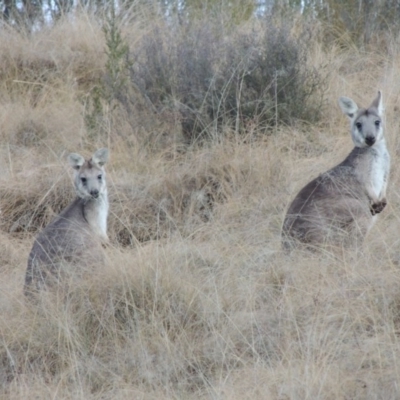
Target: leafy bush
213,80
103,95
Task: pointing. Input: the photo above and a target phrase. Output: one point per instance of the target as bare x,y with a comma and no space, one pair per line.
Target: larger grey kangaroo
77,234
340,206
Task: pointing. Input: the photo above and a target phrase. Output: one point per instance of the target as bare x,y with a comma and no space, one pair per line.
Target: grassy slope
213,309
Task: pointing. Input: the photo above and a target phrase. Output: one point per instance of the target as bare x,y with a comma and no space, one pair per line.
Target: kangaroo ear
378,103
100,157
76,160
348,106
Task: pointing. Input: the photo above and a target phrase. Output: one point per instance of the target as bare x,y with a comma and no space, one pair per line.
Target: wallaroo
340,206
77,234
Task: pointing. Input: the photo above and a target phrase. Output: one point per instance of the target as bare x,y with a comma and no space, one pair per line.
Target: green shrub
103,96
215,80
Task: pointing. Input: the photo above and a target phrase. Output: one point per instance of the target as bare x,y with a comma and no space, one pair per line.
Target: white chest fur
379,172
102,215
96,213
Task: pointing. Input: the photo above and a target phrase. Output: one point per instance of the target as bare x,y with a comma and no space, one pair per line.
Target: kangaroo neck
380,147
95,212
377,150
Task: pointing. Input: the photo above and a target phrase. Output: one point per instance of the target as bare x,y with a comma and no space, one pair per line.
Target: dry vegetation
196,299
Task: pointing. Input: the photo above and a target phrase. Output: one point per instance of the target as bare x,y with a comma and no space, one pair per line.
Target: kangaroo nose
369,140
94,193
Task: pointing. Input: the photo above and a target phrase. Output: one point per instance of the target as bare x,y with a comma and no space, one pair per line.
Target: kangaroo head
90,182
366,123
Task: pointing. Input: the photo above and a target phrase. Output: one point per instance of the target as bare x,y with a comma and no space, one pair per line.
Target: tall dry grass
196,299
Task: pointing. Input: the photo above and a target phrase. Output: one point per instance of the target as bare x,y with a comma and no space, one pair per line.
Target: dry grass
196,299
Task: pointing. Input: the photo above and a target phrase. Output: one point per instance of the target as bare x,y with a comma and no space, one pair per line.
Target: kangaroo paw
376,208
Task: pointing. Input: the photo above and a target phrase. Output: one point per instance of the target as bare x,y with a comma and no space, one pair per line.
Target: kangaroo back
76,235
339,206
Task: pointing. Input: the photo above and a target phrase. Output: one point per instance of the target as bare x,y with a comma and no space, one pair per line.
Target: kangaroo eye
377,123
83,180
358,125
99,177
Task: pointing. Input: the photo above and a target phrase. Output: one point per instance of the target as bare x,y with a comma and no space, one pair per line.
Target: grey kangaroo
340,206
77,234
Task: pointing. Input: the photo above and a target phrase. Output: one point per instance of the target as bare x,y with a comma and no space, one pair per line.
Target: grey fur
340,206
75,237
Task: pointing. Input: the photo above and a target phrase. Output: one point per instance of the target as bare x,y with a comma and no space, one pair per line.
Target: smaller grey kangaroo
77,234
340,206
